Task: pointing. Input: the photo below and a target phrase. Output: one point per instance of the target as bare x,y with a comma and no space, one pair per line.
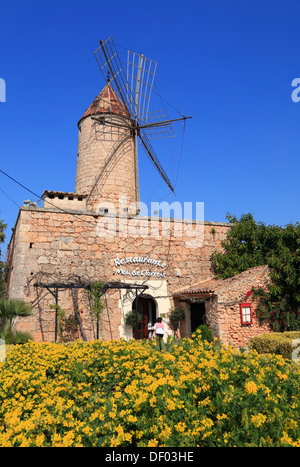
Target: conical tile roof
107,101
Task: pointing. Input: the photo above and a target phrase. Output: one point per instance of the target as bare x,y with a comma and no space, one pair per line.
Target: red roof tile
63,193
106,102
214,285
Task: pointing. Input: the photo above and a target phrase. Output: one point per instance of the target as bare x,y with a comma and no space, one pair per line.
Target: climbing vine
95,294
67,326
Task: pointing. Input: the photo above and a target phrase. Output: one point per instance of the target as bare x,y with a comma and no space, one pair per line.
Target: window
103,210
246,313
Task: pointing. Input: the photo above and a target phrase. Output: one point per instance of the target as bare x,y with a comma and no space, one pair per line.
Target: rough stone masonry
97,234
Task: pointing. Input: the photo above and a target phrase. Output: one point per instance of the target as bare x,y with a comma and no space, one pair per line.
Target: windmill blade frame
146,145
112,69
136,99
140,77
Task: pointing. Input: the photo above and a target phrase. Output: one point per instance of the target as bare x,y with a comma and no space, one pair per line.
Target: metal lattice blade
109,130
134,91
152,156
140,77
165,130
111,68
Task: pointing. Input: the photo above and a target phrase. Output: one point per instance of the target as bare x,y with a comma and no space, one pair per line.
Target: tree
9,310
2,228
3,265
95,295
249,244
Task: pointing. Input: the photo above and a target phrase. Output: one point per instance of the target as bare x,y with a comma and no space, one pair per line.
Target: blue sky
227,63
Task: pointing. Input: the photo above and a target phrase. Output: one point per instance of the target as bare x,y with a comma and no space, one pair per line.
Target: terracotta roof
106,102
62,193
213,285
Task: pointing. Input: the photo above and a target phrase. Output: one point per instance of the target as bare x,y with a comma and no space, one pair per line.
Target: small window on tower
246,313
103,210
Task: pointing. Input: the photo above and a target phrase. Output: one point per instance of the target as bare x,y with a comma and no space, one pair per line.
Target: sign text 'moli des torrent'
143,266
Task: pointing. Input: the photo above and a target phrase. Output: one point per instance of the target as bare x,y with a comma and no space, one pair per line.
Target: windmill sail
146,145
140,77
112,70
134,90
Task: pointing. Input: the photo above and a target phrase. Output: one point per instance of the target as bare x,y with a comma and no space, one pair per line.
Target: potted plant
177,315
130,318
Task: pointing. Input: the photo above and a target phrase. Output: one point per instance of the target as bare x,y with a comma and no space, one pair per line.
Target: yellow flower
170,405
251,388
40,440
223,416
282,376
152,443
224,376
207,422
258,419
68,439
131,419
166,433
285,439
181,426
152,401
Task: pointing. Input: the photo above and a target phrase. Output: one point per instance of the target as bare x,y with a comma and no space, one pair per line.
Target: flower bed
122,393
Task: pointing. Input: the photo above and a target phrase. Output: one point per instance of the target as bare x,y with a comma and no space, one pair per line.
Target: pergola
54,288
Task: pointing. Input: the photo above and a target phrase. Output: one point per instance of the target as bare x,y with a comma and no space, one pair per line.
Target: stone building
227,305
96,234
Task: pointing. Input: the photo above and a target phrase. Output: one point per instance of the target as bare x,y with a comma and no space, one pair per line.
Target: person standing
159,329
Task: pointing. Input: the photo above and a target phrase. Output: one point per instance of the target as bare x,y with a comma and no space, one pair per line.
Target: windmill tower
105,160
109,130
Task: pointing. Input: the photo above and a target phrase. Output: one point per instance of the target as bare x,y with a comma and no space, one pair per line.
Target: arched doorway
147,310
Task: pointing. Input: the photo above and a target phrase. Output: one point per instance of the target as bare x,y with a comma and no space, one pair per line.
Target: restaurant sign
143,266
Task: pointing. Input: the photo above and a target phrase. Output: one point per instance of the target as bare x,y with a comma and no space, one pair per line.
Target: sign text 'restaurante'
121,264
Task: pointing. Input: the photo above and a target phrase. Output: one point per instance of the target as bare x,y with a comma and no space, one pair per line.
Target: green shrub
206,332
16,337
130,318
177,315
279,343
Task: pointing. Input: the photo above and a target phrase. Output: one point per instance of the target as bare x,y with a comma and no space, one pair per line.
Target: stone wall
224,312
105,164
64,201
49,245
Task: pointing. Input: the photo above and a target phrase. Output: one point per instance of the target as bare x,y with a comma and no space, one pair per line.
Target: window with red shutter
246,313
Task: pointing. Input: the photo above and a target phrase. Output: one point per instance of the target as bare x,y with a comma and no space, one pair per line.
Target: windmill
134,89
